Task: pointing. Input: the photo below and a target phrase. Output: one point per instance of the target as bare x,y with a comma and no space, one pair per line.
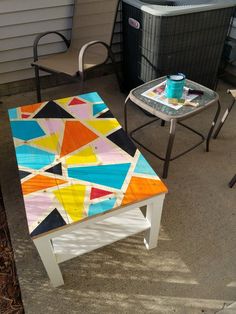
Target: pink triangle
76,101
96,193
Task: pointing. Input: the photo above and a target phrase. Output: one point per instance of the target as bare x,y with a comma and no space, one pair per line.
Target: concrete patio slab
192,270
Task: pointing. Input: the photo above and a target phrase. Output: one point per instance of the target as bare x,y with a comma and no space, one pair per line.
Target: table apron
98,218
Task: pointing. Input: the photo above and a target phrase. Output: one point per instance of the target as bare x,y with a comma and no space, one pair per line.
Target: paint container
175,85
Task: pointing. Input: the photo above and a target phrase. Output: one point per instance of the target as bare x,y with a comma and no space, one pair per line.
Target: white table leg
153,215
46,253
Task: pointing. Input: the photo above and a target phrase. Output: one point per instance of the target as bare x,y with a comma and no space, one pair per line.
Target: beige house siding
21,21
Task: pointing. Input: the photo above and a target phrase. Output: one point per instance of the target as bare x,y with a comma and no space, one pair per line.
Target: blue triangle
98,108
26,130
101,207
143,167
12,113
91,97
34,158
108,175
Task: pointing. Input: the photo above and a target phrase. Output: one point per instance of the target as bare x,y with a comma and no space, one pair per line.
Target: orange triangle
30,108
142,188
76,135
40,182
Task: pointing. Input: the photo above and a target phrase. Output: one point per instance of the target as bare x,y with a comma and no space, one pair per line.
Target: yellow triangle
72,199
104,126
85,156
64,101
50,142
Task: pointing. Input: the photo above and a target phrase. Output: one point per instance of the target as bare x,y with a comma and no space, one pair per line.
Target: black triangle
52,110
55,169
121,139
106,114
52,221
23,174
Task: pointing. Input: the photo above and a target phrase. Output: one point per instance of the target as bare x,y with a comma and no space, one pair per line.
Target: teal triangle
26,130
33,158
91,97
101,207
108,175
12,113
143,167
98,108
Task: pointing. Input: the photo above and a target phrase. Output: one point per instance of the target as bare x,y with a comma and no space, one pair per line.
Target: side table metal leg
212,126
169,148
225,116
45,250
153,215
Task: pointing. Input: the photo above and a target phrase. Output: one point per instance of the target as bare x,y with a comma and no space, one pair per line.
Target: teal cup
175,85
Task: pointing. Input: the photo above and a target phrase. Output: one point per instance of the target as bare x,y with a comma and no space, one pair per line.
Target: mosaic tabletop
208,97
75,161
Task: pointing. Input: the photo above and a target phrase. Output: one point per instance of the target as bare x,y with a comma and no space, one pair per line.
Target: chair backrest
93,20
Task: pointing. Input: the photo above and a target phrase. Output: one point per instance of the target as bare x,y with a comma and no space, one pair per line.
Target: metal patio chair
90,44
227,112
224,117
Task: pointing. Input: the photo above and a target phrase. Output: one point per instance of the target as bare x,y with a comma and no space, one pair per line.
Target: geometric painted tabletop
75,161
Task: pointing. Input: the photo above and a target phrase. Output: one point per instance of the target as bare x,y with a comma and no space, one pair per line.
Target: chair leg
225,116
111,56
232,182
81,82
212,126
37,80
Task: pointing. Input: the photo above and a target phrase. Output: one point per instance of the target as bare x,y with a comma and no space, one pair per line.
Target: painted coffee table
83,180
